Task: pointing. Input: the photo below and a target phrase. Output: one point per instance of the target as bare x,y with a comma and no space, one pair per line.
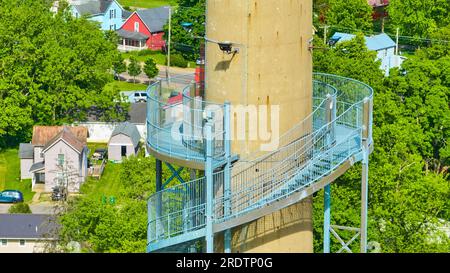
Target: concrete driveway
4,208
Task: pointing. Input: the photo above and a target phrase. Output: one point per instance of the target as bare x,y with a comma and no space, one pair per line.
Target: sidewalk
176,70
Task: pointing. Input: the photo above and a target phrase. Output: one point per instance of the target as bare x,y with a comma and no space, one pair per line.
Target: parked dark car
11,196
99,154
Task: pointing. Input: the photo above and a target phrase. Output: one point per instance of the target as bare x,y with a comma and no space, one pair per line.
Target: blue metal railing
167,130
312,149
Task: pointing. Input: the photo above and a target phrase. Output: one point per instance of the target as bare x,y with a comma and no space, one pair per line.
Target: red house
379,8
144,29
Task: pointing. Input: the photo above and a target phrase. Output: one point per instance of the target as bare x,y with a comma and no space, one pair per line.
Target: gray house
57,155
27,233
124,142
26,155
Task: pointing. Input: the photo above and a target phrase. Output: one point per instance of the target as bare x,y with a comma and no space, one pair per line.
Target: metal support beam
209,188
158,175
367,122
227,174
364,195
330,117
158,168
175,174
327,219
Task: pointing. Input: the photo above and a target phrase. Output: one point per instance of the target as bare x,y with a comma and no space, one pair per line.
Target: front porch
38,181
131,41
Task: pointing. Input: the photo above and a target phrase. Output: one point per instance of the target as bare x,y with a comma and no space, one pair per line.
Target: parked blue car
11,196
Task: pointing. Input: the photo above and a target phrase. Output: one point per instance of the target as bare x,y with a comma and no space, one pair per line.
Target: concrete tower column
272,68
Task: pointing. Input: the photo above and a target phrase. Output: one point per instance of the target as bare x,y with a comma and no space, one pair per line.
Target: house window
22,242
136,26
60,159
112,14
123,151
4,242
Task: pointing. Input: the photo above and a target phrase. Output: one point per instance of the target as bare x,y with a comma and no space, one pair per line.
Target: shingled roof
26,151
93,7
132,35
69,137
129,130
126,14
28,226
155,18
43,134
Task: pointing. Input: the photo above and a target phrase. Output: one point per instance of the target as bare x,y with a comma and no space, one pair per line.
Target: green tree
134,68
353,14
183,41
418,18
178,60
119,227
119,65
52,67
408,196
150,68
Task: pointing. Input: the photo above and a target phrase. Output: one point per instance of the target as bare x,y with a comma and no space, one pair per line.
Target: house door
124,151
40,178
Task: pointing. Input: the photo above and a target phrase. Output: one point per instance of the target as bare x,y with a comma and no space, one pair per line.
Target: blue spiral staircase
235,191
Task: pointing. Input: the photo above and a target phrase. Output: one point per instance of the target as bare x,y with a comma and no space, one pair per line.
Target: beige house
124,142
56,156
26,233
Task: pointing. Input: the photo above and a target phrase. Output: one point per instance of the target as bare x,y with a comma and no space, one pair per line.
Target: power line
390,35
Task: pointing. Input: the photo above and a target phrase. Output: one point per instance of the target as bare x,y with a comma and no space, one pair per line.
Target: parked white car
139,97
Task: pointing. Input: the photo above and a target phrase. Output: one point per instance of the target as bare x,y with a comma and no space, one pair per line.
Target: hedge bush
20,208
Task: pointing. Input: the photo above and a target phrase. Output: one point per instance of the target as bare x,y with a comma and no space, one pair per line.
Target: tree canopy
419,18
354,14
150,68
183,40
52,68
408,178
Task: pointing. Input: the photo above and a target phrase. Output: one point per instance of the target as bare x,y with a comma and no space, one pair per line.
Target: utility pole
325,32
396,42
168,46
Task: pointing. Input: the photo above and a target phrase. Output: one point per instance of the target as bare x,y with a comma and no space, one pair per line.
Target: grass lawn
157,56
108,185
10,174
146,3
125,86
143,55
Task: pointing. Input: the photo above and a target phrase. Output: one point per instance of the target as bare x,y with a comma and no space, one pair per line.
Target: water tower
270,64
266,134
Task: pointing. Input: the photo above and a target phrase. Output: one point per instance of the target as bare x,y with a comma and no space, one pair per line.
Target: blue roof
341,37
380,41
375,42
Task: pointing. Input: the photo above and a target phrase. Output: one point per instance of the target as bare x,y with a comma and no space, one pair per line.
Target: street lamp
168,45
